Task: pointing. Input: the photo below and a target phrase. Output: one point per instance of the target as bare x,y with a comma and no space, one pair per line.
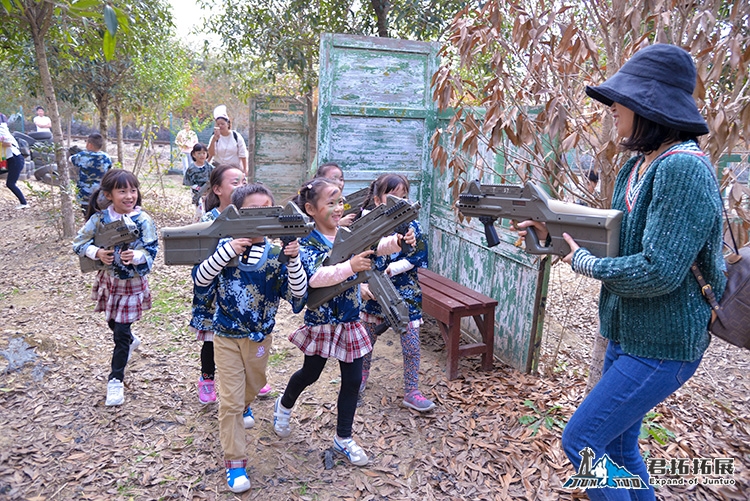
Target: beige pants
241,364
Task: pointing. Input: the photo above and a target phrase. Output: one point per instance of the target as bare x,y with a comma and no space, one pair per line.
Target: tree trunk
39,16
120,141
102,105
381,8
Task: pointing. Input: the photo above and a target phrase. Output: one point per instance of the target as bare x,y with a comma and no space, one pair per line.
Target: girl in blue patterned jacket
247,298
402,268
121,290
222,182
332,330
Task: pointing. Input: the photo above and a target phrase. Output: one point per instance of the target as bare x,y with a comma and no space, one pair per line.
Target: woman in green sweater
650,308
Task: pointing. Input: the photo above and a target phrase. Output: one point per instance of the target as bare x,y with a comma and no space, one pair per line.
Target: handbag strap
706,289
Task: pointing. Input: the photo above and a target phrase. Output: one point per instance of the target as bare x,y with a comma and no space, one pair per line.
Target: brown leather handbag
730,318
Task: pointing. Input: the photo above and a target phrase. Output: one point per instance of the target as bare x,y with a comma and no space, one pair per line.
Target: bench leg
486,325
452,344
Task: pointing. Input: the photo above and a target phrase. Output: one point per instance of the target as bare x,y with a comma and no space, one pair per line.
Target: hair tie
309,186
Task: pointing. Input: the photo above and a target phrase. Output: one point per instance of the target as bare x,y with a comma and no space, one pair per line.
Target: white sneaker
134,345
22,206
281,417
349,448
115,392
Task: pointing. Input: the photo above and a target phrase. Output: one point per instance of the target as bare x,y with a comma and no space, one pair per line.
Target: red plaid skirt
123,301
345,342
201,335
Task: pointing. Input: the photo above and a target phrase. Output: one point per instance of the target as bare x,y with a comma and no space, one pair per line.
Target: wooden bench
449,302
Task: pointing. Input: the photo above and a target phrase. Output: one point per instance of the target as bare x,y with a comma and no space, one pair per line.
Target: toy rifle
363,234
353,201
598,230
193,243
121,232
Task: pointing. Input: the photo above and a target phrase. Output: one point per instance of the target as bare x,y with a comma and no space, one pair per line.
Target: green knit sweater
650,301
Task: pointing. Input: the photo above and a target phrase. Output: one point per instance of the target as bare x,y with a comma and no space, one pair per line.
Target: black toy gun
121,232
353,201
598,230
194,243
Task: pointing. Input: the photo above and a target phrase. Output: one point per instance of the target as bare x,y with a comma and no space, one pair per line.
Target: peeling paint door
278,152
376,115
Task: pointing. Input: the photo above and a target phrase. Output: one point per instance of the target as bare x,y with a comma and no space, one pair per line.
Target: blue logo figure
603,473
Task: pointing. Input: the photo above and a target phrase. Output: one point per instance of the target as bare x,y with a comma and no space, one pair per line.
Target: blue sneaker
248,418
237,479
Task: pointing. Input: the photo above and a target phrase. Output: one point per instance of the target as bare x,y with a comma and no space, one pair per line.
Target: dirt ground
487,439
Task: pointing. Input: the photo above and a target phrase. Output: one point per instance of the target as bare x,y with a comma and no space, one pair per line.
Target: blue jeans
608,420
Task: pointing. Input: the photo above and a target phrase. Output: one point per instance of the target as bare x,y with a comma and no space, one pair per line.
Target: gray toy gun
193,243
363,234
353,201
121,232
391,303
598,230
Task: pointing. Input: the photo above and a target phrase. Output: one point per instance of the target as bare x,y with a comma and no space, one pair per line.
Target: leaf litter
61,442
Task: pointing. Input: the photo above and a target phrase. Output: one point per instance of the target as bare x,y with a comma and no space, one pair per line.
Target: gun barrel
191,244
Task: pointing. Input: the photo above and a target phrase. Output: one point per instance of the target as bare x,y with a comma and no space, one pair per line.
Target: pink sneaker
415,400
206,391
265,391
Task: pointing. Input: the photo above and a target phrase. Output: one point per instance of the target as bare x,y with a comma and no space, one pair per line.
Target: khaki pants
241,364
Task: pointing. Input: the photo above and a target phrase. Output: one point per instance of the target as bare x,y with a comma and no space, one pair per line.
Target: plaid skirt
345,342
374,319
123,301
201,335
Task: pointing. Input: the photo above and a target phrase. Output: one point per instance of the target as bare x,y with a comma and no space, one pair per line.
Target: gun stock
191,244
353,201
121,232
598,230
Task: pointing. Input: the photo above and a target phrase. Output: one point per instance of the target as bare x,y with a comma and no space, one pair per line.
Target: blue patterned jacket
148,242
247,296
92,165
406,283
343,308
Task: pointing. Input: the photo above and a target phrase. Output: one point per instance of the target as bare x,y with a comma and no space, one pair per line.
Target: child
10,151
222,183
334,172
196,176
333,329
402,268
247,298
92,164
121,290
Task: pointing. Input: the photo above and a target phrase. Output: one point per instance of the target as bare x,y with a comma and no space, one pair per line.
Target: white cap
221,112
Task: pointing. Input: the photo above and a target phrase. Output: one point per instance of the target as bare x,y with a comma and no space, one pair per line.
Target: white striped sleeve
583,262
211,267
297,277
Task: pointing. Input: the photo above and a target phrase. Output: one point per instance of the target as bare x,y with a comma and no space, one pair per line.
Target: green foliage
650,428
276,42
550,418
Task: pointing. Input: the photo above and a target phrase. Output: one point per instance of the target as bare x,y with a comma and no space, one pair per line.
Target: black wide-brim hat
657,83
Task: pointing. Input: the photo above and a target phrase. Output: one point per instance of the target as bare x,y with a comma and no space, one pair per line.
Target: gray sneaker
415,400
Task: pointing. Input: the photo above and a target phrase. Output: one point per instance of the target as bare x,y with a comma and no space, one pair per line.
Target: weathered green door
376,115
278,152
